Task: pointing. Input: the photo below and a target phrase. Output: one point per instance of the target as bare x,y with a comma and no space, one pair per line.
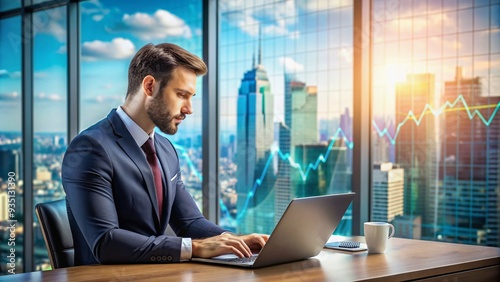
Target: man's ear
148,83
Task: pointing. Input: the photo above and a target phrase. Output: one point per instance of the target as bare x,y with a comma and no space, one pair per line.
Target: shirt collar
140,136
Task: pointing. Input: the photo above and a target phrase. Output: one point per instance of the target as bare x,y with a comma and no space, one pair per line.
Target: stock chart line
322,158
339,134
436,112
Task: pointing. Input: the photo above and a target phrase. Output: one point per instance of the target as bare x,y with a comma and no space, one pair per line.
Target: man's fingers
256,240
239,244
243,247
227,243
261,241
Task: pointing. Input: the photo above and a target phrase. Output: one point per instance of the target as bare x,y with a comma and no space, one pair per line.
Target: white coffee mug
376,236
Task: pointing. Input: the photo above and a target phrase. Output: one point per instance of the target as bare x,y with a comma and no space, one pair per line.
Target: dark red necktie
149,149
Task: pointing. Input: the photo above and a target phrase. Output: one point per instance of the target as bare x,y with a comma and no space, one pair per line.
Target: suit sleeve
186,219
87,173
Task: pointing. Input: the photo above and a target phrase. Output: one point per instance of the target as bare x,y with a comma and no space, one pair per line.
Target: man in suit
120,195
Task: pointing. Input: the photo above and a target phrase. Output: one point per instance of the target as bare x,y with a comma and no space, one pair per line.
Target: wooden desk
404,260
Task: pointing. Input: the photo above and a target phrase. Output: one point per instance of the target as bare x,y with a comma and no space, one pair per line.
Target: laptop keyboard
240,260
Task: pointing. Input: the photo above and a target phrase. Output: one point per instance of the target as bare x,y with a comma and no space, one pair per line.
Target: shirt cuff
186,249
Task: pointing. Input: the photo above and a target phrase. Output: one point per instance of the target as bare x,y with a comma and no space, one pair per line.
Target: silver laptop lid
304,228
301,233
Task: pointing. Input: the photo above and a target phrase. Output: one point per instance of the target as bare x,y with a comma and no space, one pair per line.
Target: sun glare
395,73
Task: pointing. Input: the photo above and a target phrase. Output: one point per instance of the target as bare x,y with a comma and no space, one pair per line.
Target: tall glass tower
416,147
468,204
299,129
254,141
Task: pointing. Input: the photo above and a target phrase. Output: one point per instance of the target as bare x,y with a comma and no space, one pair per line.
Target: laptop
301,233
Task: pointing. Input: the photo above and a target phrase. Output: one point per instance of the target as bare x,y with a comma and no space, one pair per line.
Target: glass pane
285,88
435,132
111,32
50,114
11,176
481,18
465,20
6,5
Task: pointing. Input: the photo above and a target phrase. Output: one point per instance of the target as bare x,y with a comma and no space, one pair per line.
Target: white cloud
7,74
291,66
40,74
245,22
52,22
105,99
160,25
97,18
95,9
280,29
9,96
118,48
274,19
281,10
49,97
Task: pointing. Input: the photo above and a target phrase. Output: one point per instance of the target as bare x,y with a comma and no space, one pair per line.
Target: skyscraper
254,141
387,192
299,128
10,162
416,147
304,127
346,126
470,164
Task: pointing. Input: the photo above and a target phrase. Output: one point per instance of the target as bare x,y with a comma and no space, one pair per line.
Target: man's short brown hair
159,61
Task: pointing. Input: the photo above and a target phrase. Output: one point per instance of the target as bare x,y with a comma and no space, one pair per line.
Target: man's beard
162,117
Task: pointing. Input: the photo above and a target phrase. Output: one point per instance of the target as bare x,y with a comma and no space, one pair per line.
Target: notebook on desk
301,233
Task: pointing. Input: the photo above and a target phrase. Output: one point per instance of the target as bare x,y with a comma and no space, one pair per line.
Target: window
11,176
111,33
285,94
435,78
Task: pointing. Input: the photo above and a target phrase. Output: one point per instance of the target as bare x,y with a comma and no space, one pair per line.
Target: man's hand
228,243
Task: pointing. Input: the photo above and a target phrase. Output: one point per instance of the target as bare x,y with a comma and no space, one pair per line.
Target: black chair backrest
54,223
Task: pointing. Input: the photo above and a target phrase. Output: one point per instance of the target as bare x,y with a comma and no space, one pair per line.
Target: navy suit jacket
111,199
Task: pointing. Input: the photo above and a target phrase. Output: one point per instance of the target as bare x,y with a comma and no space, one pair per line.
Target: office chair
56,231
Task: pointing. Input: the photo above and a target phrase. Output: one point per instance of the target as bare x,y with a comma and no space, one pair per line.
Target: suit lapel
129,146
